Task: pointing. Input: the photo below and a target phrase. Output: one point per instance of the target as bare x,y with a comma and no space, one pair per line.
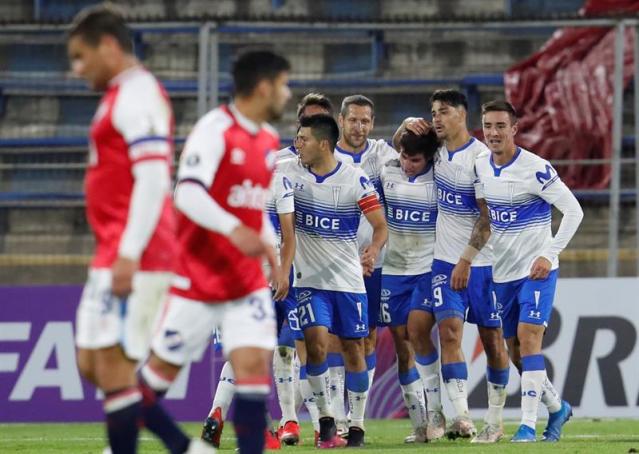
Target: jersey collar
243,121
429,164
451,153
357,157
497,169
322,178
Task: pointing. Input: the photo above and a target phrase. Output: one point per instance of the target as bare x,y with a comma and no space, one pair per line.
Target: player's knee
449,334
316,352
493,342
86,366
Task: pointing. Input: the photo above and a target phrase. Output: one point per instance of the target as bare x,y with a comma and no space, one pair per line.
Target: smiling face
499,133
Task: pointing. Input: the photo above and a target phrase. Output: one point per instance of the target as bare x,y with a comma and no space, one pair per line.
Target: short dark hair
323,127
314,99
453,98
413,144
499,105
92,23
252,67
358,100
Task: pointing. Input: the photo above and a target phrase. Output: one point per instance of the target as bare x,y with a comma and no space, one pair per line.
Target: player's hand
418,126
461,274
248,241
280,284
122,273
368,258
540,268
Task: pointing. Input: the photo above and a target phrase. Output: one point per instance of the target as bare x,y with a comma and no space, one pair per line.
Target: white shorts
104,320
187,326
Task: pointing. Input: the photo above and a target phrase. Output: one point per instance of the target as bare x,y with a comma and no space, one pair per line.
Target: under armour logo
299,186
360,327
534,314
494,316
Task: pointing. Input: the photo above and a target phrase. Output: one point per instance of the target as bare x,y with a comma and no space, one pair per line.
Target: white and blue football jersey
411,214
281,196
519,195
371,160
327,215
286,153
457,192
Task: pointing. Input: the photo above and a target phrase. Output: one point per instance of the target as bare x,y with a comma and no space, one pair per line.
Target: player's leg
420,325
184,330
224,392
373,285
284,366
485,313
449,308
351,325
336,374
536,299
315,312
249,338
394,309
305,387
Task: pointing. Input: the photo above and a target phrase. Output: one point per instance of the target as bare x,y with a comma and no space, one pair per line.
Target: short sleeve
204,149
366,195
143,116
283,193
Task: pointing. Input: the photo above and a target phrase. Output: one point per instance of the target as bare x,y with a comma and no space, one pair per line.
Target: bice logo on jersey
247,195
502,215
402,214
449,197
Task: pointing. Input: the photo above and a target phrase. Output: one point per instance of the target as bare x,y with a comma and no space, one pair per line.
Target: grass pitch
382,436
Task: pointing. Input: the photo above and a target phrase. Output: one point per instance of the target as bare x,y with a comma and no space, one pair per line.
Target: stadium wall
591,352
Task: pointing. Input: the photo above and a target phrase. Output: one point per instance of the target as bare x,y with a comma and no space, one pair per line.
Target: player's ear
515,128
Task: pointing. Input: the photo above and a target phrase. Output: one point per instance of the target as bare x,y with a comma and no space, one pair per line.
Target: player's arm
417,125
478,239
199,163
374,213
146,127
151,185
573,214
287,253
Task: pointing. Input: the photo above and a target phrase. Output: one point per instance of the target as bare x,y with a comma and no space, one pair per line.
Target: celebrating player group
294,258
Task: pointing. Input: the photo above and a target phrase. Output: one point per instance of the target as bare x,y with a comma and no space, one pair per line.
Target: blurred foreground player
129,209
223,234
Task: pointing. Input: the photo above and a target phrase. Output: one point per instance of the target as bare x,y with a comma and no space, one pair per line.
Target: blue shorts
526,301
293,321
344,314
373,285
402,294
474,304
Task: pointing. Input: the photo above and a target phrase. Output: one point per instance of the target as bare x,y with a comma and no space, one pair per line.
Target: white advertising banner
591,350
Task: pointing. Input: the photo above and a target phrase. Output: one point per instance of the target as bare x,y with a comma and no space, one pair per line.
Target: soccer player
129,208
520,189
330,197
223,233
457,289
410,202
280,208
356,121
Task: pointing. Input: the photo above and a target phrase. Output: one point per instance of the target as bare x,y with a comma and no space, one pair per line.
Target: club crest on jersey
238,156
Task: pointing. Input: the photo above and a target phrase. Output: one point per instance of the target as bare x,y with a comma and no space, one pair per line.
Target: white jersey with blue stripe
286,153
519,195
327,215
411,215
371,160
457,192
281,200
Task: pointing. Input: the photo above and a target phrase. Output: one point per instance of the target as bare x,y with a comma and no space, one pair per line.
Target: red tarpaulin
564,92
